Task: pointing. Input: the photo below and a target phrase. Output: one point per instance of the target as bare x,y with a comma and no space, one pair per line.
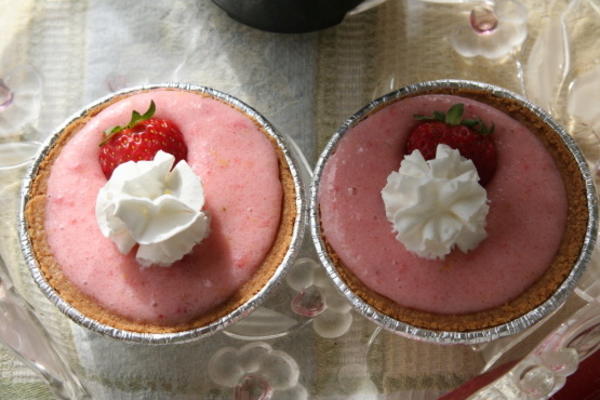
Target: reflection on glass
20,94
22,332
494,30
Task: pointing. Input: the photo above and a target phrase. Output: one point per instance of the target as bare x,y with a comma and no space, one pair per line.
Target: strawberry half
471,137
140,140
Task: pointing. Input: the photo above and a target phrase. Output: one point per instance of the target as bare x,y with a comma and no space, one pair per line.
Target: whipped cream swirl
437,204
149,204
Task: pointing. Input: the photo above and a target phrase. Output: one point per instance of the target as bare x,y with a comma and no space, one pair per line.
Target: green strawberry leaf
136,118
439,116
454,117
471,123
113,130
484,130
481,128
454,114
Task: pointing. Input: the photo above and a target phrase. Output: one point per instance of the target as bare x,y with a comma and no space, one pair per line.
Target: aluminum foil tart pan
297,170
535,302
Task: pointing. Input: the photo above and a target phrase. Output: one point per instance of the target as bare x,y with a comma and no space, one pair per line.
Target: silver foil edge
455,337
297,166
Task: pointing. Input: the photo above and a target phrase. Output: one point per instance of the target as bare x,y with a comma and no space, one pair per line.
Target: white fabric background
306,85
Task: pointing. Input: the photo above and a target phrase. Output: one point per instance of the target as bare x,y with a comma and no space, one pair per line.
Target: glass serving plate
304,342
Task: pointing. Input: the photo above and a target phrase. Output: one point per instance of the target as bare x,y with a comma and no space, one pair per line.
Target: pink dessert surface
239,170
525,223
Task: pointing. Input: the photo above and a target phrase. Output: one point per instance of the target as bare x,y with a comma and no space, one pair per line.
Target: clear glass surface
305,341
20,93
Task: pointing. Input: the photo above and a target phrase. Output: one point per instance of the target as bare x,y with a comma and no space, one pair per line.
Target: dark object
288,16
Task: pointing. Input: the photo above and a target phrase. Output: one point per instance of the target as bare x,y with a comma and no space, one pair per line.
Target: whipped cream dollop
152,204
437,204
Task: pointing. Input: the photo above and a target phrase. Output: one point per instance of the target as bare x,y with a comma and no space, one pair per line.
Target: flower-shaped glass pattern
317,298
257,372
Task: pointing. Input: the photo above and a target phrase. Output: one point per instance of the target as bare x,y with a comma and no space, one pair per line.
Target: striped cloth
307,85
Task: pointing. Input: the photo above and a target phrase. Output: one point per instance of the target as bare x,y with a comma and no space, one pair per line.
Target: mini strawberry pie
450,210
162,211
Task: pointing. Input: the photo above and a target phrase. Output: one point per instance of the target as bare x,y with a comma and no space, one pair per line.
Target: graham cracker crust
566,256
52,271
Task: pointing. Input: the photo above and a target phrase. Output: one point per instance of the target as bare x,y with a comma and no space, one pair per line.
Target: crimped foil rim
294,161
455,337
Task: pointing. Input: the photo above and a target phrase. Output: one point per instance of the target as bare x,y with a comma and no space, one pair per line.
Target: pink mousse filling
525,223
239,170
